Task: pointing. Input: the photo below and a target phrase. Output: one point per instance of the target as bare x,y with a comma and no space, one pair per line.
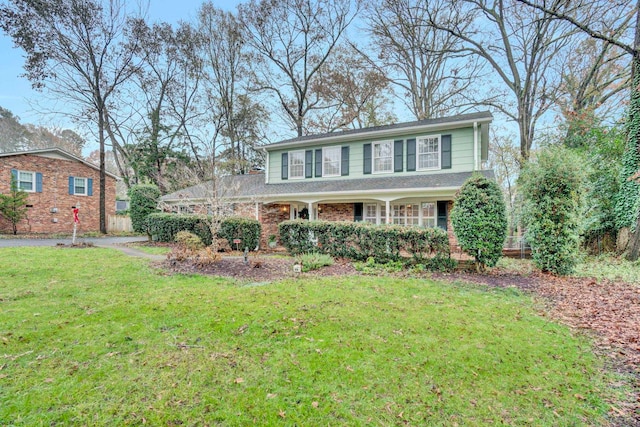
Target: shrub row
360,241
164,227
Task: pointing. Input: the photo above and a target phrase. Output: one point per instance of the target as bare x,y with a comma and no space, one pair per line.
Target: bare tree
354,94
291,41
238,119
427,65
522,48
75,49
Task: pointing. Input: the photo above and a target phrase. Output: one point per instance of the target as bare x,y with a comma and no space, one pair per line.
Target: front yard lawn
92,337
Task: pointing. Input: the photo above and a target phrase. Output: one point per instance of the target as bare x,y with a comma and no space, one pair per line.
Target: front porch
414,211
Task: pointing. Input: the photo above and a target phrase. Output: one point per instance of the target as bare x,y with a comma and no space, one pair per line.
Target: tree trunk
634,128
103,175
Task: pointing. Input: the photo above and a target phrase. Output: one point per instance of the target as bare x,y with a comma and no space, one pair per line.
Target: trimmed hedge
247,230
164,227
360,241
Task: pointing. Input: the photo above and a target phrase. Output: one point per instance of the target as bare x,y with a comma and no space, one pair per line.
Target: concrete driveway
97,241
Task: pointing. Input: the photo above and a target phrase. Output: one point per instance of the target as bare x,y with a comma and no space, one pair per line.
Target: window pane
370,214
428,214
428,153
382,157
296,164
80,186
331,161
25,181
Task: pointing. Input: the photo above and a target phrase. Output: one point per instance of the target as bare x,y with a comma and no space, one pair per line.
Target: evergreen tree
13,205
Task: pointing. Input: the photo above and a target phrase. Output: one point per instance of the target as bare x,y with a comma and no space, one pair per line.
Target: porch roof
253,187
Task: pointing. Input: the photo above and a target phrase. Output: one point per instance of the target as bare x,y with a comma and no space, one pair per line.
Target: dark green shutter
308,163
411,154
442,214
38,182
357,211
319,162
344,169
14,172
445,152
398,155
90,187
71,185
285,166
367,159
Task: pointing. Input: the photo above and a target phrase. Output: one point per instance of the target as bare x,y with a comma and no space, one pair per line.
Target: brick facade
335,211
55,195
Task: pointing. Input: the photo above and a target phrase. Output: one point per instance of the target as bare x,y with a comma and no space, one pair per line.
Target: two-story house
406,174
56,182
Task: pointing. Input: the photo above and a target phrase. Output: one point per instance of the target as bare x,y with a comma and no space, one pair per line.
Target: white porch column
310,208
257,211
388,212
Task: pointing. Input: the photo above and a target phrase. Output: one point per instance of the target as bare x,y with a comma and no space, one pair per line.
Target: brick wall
55,194
335,212
270,216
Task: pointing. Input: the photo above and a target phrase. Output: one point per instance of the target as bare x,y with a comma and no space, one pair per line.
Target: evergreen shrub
479,219
551,188
143,201
164,227
247,230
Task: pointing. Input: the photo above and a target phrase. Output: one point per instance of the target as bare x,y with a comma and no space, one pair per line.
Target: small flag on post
76,221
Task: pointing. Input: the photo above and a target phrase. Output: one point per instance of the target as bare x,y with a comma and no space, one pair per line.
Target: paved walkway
118,243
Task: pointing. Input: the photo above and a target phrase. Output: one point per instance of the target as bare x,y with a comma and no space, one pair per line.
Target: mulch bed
262,269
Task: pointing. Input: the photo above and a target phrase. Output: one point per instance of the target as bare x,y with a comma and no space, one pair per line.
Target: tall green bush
552,188
479,219
143,201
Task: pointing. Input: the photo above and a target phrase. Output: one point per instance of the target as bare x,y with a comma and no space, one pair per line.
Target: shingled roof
418,125
253,186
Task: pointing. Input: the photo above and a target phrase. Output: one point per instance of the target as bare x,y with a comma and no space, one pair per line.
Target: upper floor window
26,181
429,152
296,164
331,160
383,157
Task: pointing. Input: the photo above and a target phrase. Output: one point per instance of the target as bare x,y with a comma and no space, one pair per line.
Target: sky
16,93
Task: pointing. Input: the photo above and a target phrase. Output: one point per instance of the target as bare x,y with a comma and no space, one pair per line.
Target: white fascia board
377,134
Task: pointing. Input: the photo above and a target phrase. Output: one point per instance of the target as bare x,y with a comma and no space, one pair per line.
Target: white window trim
86,186
373,157
434,217
33,181
291,153
438,154
324,167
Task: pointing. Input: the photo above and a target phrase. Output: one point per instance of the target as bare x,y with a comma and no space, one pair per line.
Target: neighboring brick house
56,182
406,174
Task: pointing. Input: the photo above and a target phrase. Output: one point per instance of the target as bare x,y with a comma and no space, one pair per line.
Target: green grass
91,337
608,267
153,250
